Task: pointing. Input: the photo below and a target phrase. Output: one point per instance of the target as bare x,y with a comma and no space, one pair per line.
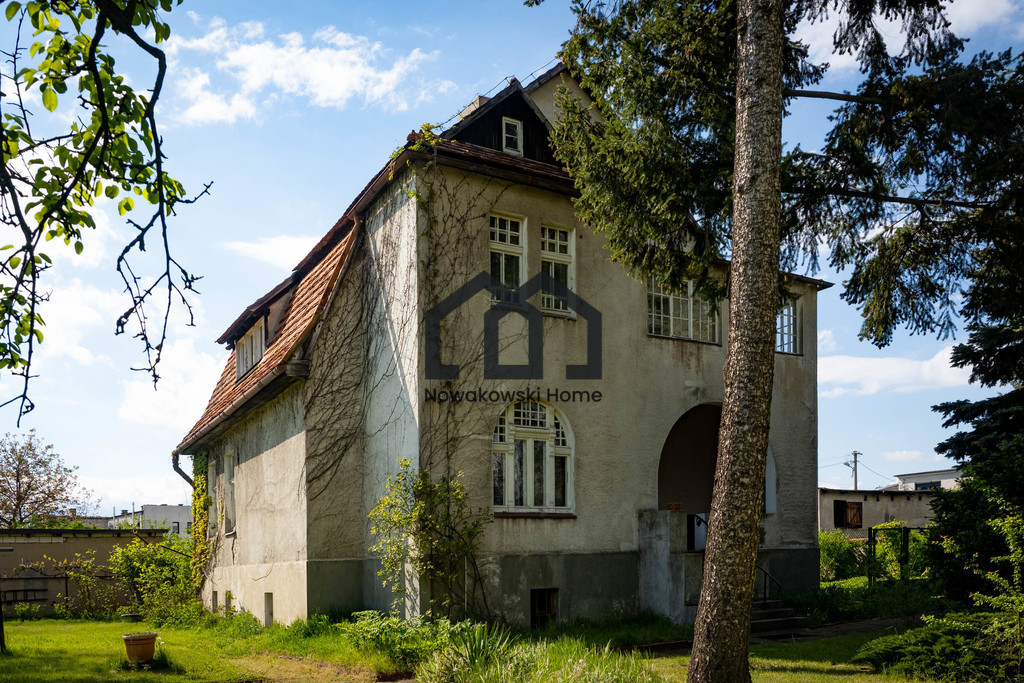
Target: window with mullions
249,349
512,136
685,316
531,460
787,327
556,261
506,256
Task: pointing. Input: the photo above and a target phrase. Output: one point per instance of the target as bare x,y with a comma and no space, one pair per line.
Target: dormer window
249,349
512,135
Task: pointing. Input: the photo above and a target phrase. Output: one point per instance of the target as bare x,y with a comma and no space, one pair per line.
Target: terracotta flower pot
140,646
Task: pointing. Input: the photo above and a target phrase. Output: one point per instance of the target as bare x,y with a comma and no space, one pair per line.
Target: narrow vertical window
498,468
538,473
519,495
556,262
506,239
229,492
512,136
787,325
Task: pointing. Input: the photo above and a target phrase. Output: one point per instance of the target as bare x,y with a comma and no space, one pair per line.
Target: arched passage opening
686,471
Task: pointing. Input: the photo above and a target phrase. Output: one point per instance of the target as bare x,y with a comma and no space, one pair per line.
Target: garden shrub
316,625
484,654
406,642
159,577
840,558
955,647
25,611
887,552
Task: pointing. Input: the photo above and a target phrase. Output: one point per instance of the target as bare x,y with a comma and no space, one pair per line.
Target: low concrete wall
249,584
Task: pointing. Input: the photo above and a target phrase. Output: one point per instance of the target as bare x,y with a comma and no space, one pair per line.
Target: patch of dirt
285,667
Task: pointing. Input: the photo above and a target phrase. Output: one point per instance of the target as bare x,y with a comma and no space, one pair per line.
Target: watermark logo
508,300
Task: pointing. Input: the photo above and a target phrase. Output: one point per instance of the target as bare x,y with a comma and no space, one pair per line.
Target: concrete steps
772,618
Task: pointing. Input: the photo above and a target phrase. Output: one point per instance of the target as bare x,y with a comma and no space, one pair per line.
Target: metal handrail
767,576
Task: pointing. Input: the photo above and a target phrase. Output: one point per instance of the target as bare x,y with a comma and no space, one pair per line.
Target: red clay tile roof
304,309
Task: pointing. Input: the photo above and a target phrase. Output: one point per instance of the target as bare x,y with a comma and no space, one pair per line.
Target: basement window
512,136
543,606
249,349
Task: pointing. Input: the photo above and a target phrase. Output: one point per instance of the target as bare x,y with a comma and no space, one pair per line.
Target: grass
817,661
55,650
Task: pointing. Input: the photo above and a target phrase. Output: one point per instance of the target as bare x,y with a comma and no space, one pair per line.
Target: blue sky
289,113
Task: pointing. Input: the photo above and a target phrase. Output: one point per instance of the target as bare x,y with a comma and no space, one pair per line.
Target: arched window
532,459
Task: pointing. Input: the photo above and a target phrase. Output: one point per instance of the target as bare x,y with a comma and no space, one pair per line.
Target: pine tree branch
919,202
827,95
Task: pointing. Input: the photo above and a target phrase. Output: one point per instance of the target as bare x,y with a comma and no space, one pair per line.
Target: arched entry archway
686,471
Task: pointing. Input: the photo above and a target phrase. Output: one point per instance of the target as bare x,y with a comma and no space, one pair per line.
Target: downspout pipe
177,468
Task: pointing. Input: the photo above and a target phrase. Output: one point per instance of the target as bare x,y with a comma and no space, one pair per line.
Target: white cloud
210,107
903,456
187,378
331,69
71,313
826,341
838,375
966,18
283,251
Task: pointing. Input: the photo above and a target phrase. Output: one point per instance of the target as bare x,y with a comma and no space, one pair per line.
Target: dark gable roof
483,126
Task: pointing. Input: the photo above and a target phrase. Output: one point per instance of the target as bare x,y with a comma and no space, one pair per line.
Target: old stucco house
586,425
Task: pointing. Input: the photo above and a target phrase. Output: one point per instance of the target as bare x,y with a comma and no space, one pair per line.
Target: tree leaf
12,9
49,99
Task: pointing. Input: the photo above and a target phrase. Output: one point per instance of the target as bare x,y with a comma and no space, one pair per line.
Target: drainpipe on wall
177,468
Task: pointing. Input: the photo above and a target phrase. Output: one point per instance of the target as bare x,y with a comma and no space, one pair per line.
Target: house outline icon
493,368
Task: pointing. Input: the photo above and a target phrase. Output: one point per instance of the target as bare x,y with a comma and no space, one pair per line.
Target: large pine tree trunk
722,634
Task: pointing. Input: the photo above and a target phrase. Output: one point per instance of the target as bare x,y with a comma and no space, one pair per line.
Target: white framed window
506,235
556,254
512,136
787,327
685,316
532,460
249,349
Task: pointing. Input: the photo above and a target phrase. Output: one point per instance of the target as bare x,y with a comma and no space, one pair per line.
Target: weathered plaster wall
392,377
647,384
265,553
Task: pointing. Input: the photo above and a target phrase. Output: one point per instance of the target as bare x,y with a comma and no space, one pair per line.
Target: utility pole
853,465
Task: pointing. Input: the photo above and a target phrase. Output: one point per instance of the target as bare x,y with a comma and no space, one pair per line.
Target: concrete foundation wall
590,585
249,584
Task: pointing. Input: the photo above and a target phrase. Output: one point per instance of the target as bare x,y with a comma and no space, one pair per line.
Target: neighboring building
387,341
857,511
33,562
925,481
176,519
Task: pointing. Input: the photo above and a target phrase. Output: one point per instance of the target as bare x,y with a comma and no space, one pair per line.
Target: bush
856,599
887,552
484,654
840,557
406,642
316,625
956,647
26,611
159,578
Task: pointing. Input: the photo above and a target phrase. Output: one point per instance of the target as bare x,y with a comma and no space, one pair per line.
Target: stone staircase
772,619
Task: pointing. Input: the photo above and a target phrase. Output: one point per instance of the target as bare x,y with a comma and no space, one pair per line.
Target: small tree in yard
35,484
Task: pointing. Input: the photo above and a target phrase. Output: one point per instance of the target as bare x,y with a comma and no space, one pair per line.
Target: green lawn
53,650
815,661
